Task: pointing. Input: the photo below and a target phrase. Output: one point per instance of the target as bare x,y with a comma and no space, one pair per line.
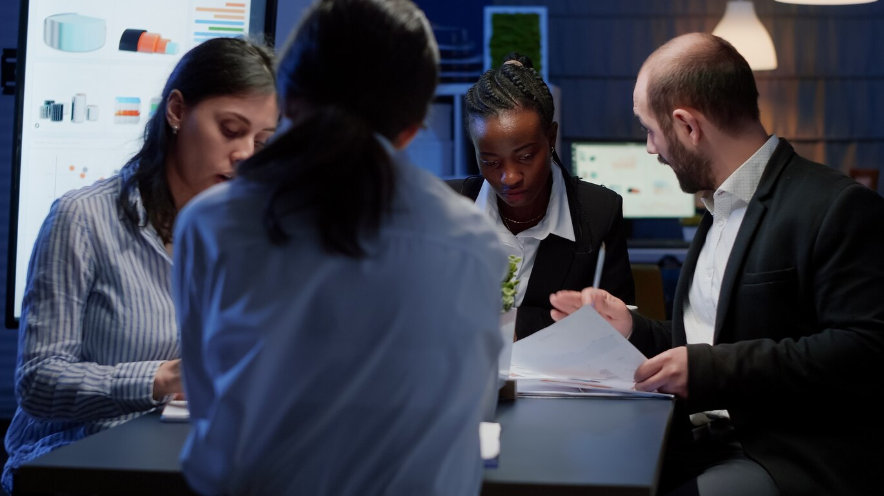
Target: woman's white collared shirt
524,245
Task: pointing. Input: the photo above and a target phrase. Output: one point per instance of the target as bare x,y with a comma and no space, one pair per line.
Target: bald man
778,321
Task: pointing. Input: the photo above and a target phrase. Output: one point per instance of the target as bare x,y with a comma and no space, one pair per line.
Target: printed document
580,355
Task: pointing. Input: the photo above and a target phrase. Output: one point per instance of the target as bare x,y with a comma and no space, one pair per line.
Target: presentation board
90,74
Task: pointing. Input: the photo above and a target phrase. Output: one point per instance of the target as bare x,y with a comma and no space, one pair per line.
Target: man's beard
694,171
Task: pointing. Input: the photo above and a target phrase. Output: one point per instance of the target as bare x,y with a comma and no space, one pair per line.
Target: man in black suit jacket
791,286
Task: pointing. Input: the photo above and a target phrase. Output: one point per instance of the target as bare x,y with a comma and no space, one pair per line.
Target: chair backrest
649,291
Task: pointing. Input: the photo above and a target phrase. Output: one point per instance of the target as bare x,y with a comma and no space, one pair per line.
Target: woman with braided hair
554,222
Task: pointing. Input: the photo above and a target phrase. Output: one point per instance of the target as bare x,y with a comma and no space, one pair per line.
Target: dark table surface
548,446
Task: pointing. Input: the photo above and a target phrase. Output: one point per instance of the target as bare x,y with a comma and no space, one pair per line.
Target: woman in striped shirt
98,338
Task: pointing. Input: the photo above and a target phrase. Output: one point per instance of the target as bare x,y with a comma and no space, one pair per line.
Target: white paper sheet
582,345
581,353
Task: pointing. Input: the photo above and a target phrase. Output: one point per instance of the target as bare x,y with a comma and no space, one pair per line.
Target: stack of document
580,355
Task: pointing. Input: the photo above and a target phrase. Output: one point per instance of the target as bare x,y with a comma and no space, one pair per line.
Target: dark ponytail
360,69
307,168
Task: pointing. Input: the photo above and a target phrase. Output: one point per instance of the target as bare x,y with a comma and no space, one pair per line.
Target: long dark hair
217,67
518,86
361,68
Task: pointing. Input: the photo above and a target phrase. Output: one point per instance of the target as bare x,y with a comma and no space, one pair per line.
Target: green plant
509,284
515,33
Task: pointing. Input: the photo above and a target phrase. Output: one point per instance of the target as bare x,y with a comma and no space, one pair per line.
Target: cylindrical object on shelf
78,108
139,40
74,32
46,109
57,112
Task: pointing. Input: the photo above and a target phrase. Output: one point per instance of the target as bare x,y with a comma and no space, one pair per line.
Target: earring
174,129
552,150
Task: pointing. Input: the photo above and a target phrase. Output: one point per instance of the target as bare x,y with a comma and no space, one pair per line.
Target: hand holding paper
615,312
666,372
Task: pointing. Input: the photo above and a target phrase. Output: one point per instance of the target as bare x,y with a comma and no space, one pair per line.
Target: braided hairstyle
518,86
511,86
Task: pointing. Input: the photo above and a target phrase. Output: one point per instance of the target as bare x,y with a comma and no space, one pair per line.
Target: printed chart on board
94,75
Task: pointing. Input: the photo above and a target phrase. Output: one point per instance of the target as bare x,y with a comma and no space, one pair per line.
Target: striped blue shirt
97,321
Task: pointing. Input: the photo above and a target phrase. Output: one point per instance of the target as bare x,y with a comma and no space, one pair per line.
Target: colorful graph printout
219,18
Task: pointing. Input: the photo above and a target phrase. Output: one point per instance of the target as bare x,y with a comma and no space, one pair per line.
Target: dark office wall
826,96
466,14
288,14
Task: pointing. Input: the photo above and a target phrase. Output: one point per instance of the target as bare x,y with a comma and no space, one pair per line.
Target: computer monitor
90,74
649,189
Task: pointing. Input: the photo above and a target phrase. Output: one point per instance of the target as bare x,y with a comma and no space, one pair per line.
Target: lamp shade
826,2
742,28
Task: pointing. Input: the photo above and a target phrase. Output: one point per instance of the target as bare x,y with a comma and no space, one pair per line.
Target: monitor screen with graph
89,75
649,188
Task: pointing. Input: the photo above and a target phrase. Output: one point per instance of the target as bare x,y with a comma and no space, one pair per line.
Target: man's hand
666,373
608,306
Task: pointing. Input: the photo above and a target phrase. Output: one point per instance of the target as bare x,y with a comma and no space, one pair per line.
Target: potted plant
508,316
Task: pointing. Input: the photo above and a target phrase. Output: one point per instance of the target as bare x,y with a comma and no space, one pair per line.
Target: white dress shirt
728,207
524,245
315,373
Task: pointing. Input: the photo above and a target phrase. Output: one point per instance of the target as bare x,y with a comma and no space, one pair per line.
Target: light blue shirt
313,373
97,320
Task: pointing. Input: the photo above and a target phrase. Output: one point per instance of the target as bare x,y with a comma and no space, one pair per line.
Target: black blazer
597,215
799,330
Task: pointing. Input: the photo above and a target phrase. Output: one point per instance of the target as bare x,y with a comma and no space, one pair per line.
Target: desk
548,446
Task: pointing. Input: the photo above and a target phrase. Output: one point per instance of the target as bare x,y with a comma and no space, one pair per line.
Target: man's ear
175,109
405,136
686,125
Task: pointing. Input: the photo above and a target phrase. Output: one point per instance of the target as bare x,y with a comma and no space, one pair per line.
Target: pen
598,267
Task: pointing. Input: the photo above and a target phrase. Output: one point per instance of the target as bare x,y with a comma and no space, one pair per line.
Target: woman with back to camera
98,337
328,346
554,222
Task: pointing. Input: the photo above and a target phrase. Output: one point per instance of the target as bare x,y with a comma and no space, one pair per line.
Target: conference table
548,446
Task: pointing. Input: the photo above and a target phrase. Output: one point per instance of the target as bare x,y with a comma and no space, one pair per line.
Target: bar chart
220,19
